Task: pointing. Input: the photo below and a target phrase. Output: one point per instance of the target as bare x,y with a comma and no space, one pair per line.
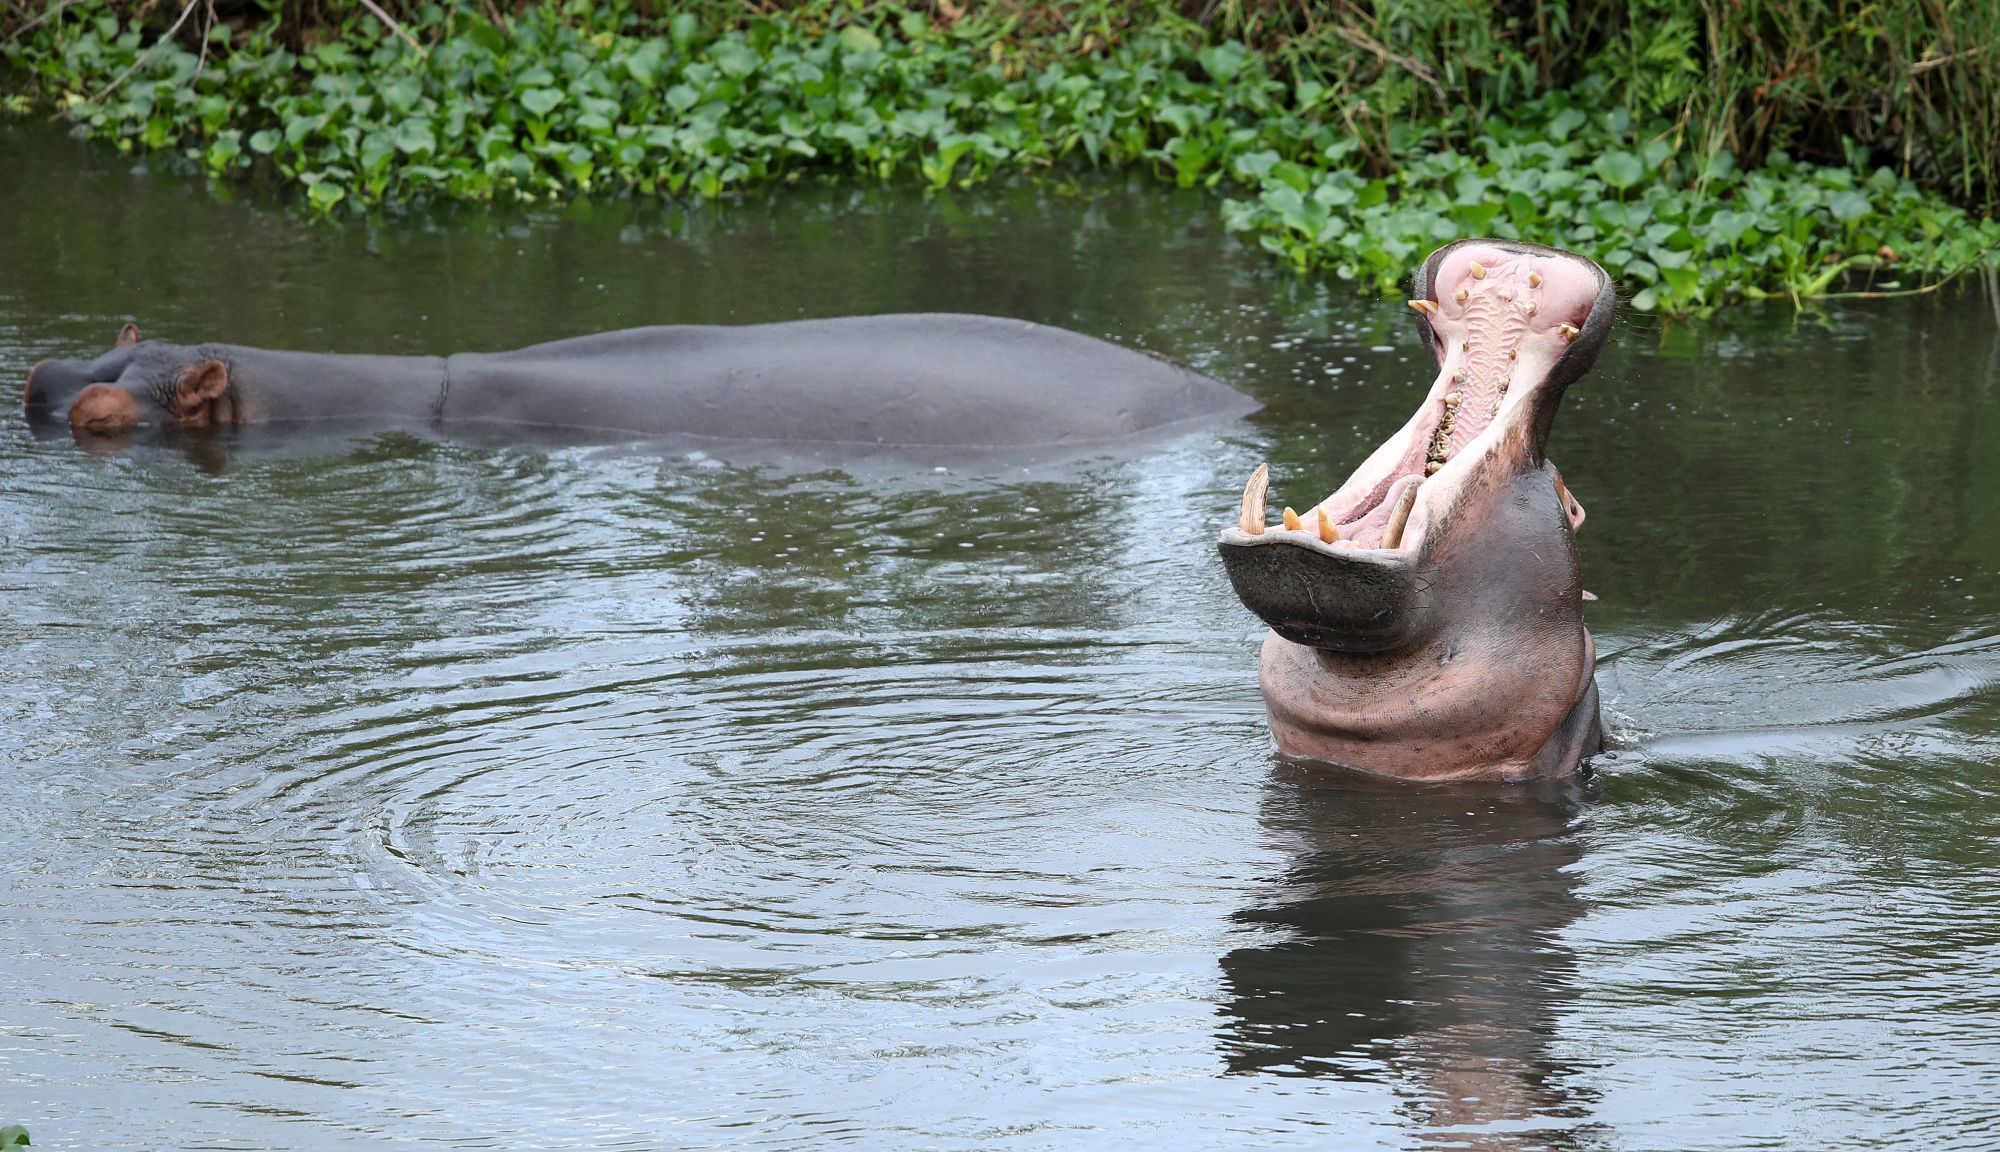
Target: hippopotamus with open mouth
875,381
1427,618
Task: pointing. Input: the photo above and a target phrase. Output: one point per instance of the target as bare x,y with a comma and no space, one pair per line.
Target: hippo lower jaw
1426,618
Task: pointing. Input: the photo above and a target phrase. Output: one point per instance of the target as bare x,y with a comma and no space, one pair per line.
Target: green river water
384,791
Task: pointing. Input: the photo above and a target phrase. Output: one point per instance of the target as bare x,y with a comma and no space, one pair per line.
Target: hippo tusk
1392,533
1327,532
1425,307
1292,521
1251,518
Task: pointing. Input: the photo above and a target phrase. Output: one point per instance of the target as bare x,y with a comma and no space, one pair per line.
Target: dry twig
398,29
1369,44
141,61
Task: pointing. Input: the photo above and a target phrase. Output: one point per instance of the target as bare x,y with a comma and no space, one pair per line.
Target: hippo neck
1499,660
275,387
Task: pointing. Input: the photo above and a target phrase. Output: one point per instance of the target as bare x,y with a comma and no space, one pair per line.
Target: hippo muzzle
1426,619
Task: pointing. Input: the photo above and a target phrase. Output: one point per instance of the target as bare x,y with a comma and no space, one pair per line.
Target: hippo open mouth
1456,534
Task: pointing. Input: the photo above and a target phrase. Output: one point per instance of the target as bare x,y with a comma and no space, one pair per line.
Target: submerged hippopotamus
1427,618
877,381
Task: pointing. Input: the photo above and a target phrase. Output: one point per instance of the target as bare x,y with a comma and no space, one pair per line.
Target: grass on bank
556,100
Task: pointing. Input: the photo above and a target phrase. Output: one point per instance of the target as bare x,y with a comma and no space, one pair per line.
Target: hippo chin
1427,618
875,381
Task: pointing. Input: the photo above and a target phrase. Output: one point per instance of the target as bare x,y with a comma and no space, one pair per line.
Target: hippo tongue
1511,326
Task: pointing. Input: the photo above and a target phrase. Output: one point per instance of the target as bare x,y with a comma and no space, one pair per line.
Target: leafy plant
559,101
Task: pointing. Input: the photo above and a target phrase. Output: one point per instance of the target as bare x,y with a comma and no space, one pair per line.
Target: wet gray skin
874,381
1428,622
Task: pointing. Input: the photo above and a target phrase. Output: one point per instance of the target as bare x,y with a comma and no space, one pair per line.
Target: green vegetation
1354,171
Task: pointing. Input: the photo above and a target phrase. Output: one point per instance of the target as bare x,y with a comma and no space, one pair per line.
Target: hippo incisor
870,381
1427,618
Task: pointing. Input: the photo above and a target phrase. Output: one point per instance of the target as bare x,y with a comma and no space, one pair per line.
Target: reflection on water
1416,938
380,789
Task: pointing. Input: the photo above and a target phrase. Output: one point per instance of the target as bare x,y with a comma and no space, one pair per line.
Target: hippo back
913,380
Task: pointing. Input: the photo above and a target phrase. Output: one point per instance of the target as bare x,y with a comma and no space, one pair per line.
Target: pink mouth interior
1501,320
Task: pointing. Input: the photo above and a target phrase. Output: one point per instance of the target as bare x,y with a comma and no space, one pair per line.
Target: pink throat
1501,320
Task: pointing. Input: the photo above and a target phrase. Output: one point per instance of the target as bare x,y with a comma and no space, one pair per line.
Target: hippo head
1426,618
133,385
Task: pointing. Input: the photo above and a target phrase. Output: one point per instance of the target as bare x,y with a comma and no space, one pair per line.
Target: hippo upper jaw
1444,570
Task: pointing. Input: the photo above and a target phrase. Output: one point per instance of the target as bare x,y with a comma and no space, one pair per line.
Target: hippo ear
198,384
128,335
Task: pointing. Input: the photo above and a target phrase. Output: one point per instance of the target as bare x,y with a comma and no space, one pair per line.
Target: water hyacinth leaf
1256,165
486,36
735,60
540,101
1477,219
681,97
1224,61
644,65
856,39
414,137
227,147
325,194
1848,206
1563,123
1619,169
1684,281
1669,257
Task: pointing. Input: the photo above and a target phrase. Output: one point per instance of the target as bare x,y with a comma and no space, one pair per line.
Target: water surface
400,792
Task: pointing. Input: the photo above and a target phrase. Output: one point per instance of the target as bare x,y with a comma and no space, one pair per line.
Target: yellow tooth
1327,532
1529,307
1452,399
1459,295
1291,521
1424,306
1534,279
1251,518
1392,533
1569,332
1477,269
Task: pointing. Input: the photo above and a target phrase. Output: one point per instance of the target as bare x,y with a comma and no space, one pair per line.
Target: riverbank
559,102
